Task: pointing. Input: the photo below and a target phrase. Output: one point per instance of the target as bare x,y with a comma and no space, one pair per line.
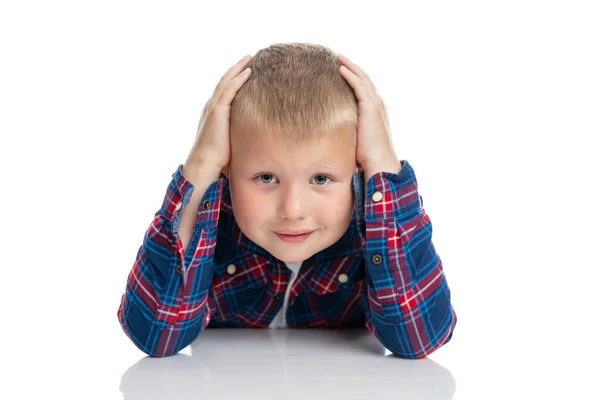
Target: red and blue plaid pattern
395,284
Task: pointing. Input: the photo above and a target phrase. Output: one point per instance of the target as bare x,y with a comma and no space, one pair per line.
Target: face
279,185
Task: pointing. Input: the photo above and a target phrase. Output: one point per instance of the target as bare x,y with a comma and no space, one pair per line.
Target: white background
495,104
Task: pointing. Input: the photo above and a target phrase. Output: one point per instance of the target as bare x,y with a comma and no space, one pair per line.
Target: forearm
390,164
420,319
201,176
409,307
165,302
155,294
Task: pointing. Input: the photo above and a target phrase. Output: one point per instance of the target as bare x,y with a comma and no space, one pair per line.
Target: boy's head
293,150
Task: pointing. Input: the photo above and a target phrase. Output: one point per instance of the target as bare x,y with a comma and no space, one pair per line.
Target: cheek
247,207
341,203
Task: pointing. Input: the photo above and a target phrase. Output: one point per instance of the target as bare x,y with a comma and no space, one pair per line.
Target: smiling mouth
293,238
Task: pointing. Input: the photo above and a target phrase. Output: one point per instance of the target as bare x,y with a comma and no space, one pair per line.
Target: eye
267,181
321,181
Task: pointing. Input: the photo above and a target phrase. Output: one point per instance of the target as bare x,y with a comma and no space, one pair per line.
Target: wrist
391,165
197,172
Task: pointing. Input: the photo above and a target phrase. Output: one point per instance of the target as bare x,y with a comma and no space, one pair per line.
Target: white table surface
286,363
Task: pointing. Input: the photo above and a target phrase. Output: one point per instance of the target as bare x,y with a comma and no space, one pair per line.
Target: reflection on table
286,363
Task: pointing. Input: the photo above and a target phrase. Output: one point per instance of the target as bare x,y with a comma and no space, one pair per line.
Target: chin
293,257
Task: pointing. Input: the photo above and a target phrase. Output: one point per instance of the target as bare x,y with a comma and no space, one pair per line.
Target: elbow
157,354
431,347
415,354
156,339
412,344
156,342
419,354
408,356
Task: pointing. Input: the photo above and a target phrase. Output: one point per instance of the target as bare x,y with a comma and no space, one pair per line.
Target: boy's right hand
212,148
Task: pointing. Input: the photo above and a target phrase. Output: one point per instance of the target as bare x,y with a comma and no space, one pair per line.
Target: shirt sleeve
408,298
165,307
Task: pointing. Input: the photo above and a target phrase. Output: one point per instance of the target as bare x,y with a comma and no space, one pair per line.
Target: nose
292,202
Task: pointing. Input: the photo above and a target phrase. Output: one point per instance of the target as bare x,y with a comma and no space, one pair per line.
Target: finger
232,88
230,74
353,67
357,71
362,91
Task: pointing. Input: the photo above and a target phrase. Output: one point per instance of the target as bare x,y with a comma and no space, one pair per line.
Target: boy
291,210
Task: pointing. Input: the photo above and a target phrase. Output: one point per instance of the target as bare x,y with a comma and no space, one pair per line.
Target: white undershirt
279,320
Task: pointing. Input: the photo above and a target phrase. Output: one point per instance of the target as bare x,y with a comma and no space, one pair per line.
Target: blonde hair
295,91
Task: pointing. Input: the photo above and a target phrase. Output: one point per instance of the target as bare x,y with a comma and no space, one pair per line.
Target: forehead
334,148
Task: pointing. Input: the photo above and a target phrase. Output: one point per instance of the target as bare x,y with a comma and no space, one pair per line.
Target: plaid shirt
384,273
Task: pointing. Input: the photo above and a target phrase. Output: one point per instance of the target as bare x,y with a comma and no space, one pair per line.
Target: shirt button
278,296
178,206
377,259
231,269
178,269
377,196
206,205
343,278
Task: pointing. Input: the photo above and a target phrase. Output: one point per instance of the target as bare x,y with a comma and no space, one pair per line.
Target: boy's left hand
374,147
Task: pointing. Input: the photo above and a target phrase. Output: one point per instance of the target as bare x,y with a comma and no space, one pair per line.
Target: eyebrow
329,166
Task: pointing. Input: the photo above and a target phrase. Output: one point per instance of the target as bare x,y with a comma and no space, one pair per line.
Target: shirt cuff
393,195
179,194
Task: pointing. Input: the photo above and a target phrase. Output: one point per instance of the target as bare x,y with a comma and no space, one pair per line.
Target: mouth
293,238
